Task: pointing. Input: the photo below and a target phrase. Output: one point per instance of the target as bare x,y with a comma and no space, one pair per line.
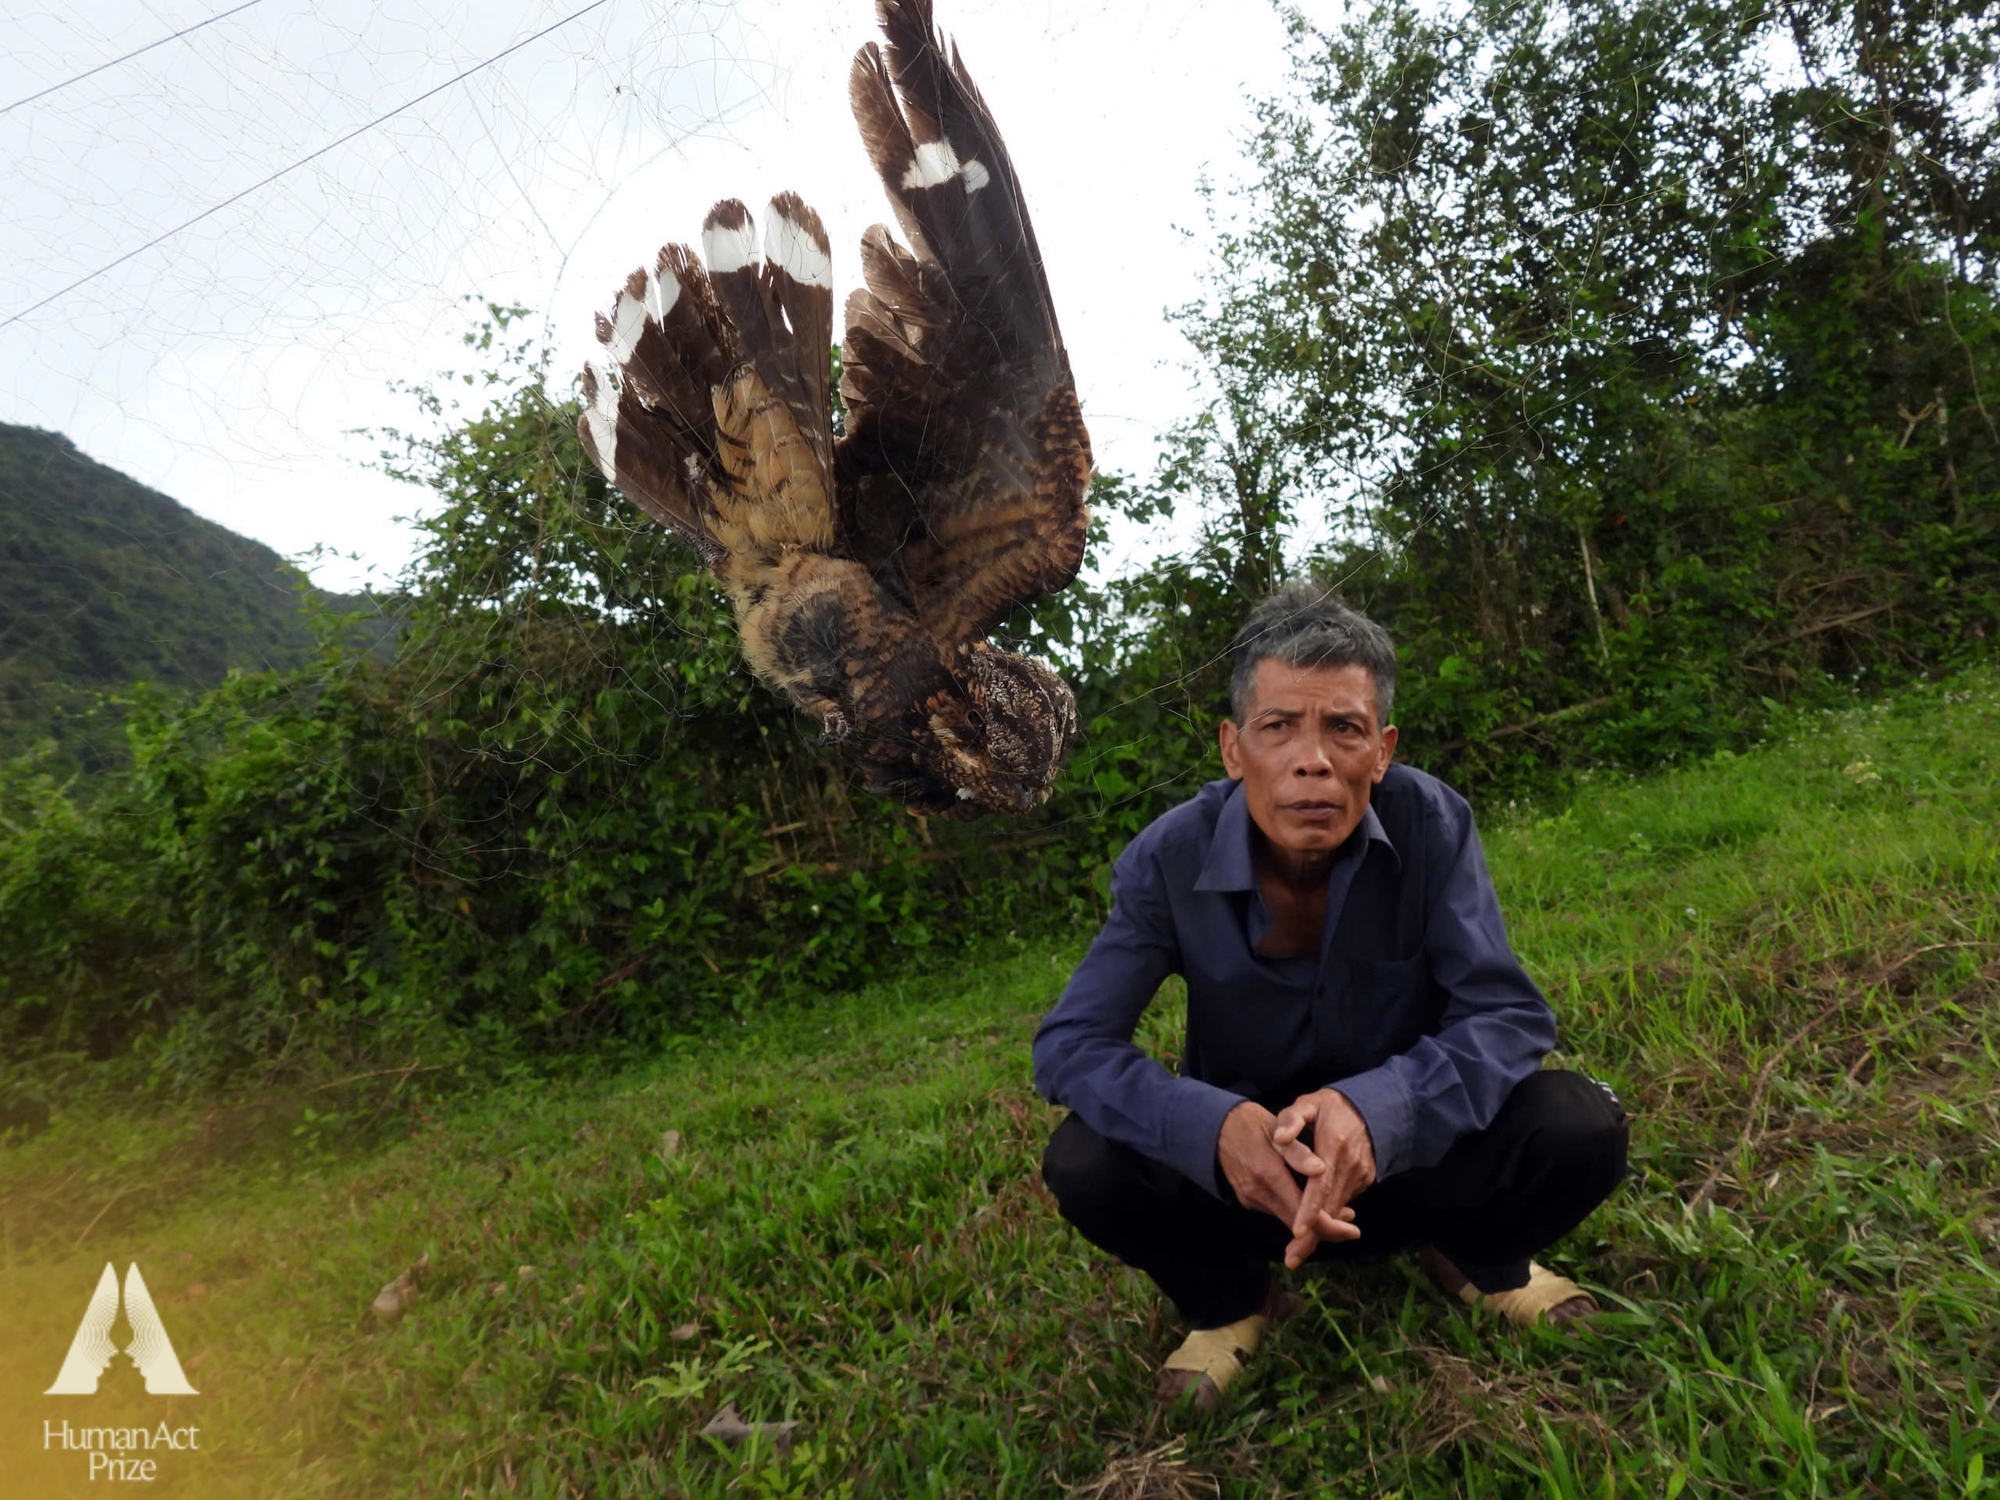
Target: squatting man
1362,1068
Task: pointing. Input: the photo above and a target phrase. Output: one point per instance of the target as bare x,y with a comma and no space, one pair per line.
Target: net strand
285,171
56,88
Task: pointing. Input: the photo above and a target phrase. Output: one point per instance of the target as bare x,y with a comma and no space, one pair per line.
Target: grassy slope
1788,964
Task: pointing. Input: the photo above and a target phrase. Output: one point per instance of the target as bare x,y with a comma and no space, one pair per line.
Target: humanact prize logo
91,1353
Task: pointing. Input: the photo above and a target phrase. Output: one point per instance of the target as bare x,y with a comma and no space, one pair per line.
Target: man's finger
1326,1200
1330,1228
1281,1194
1341,1181
1299,1157
1311,1203
1326,1229
1292,1119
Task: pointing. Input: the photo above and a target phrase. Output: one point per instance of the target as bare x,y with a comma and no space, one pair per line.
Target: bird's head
999,738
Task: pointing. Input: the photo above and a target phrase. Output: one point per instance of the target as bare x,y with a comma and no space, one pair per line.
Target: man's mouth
1312,809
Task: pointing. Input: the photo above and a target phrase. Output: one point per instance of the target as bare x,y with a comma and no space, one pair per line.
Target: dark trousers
1498,1196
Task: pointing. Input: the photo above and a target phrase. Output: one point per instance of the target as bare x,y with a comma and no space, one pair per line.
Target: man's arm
1495,1029
1084,1054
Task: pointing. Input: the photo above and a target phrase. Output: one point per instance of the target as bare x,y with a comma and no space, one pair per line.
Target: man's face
1312,749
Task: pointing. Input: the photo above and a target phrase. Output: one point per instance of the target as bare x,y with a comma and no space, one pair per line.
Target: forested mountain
104,582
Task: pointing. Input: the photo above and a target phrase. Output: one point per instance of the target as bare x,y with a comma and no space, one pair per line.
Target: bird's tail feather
781,306
773,414
649,420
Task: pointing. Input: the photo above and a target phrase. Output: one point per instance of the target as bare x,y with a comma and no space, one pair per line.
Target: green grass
1787,963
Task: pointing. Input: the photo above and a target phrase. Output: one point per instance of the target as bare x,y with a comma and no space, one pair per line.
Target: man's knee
1083,1170
1575,1126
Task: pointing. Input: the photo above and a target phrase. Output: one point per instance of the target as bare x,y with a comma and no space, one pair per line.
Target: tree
1625,352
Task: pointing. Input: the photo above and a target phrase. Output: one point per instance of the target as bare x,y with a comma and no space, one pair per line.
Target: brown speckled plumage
866,573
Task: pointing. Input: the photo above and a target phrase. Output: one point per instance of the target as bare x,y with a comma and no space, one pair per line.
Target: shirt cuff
1384,1104
1195,1113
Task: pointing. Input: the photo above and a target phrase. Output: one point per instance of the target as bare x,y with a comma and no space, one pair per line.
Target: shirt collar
1228,866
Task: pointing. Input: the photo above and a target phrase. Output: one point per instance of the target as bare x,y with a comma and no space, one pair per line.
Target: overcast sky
232,364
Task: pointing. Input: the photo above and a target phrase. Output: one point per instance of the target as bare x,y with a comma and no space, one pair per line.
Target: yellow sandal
1547,1298
1209,1360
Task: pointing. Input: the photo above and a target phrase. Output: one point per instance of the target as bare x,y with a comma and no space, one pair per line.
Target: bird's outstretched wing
962,476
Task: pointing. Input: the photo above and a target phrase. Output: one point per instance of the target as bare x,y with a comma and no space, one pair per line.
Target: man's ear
1232,762
1388,752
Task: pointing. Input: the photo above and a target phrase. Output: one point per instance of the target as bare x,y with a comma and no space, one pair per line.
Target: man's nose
1314,762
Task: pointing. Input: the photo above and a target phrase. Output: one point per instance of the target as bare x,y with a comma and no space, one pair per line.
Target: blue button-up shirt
1416,1008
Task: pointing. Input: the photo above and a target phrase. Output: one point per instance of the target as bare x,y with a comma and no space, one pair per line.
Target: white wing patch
976,176
936,162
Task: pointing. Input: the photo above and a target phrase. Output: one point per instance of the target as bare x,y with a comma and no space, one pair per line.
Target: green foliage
833,1214
104,582
1620,356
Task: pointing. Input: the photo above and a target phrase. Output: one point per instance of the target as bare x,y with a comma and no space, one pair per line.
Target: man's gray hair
1304,624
